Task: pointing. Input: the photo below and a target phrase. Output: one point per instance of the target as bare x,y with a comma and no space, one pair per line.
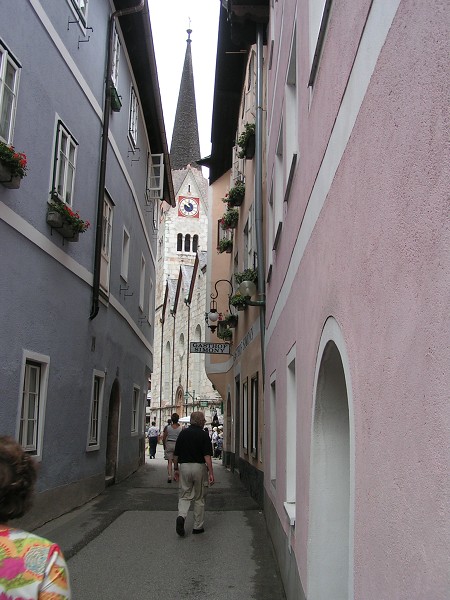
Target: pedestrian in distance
31,567
170,435
193,469
152,434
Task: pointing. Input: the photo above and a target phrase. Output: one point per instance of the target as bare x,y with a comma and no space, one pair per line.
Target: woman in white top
171,432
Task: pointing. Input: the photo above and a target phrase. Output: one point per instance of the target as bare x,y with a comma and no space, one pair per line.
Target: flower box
7,179
225,245
230,219
116,104
236,195
67,222
13,166
246,141
239,301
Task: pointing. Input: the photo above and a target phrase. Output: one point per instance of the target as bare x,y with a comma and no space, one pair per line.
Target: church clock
188,207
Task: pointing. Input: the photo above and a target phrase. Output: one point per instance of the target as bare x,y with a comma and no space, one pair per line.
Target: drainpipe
173,355
188,342
103,155
258,192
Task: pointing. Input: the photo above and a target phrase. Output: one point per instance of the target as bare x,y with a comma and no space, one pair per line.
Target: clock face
188,207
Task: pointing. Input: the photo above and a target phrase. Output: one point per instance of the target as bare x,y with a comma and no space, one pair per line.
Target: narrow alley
122,545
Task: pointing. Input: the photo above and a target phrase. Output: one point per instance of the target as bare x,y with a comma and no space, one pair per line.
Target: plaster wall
372,254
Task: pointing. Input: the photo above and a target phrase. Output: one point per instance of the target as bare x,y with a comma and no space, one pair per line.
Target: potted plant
13,166
116,104
69,223
239,301
246,141
246,275
225,334
230,218
225,245
230,320
236,195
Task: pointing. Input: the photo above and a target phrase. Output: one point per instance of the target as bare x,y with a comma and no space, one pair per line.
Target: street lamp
212,316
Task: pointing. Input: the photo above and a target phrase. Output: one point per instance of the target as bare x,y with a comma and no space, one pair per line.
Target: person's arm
208,462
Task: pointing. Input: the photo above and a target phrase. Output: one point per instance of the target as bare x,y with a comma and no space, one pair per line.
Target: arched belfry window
179,242
187,243
194,243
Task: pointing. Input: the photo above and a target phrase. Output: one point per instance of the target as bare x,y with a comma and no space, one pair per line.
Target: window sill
289,507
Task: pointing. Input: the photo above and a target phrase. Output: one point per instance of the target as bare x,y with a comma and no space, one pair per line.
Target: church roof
185,147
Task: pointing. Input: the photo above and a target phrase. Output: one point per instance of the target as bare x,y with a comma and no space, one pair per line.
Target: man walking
194,470
152,434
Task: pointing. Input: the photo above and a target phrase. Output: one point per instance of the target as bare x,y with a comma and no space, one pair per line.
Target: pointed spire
185,147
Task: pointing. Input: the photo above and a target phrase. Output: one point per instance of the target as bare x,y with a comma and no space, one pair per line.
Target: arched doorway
330,546
112,439
179,399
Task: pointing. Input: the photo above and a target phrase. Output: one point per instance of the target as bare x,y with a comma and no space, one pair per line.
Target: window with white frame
278,182
64,164
105,264
81,7
133,118
273,430
115,59
291,117
151,301
135,410
245,416
291,428
125,254
254,416
9,85
142,283
98,386
32,410
319,11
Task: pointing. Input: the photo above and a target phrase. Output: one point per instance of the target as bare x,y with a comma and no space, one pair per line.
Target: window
125,254
133,120
98,385
291,118
194,243
319,11
9,84
32,410
245,416
81,8
155,177
277,192
151,301
106,244
254,416
115,59
64,164
142,284
180,242
291,428
135,410
187,243
273,431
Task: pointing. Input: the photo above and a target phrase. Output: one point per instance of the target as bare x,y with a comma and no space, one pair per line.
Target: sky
170,19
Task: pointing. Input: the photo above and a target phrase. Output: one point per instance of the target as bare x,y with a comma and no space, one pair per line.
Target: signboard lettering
209,348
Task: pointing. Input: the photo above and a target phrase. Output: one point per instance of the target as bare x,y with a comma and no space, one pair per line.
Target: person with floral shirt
31,567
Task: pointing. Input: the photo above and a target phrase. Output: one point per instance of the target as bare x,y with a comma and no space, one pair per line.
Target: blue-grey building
79,96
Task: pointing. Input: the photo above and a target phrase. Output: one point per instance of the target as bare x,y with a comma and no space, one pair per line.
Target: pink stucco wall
378,262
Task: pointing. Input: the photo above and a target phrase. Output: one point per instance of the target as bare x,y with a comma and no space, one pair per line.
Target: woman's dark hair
17,479
175,417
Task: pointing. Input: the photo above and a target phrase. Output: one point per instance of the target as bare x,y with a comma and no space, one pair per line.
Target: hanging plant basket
231,320
236,195
246,141
239,301
225,245
230,219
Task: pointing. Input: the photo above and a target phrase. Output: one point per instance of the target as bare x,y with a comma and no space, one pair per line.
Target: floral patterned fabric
31,567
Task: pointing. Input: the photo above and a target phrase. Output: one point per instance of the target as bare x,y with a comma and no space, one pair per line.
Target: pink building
357,311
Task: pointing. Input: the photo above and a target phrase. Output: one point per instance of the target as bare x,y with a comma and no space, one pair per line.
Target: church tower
179,382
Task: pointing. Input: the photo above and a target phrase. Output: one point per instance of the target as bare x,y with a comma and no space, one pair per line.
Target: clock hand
189,207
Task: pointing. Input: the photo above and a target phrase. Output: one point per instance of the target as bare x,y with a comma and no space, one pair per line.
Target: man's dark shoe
194,531
180,526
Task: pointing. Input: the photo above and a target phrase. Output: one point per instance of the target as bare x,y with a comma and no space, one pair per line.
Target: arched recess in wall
331,491
112,436
181,355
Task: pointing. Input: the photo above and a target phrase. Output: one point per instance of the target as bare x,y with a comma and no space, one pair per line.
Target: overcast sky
170,20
